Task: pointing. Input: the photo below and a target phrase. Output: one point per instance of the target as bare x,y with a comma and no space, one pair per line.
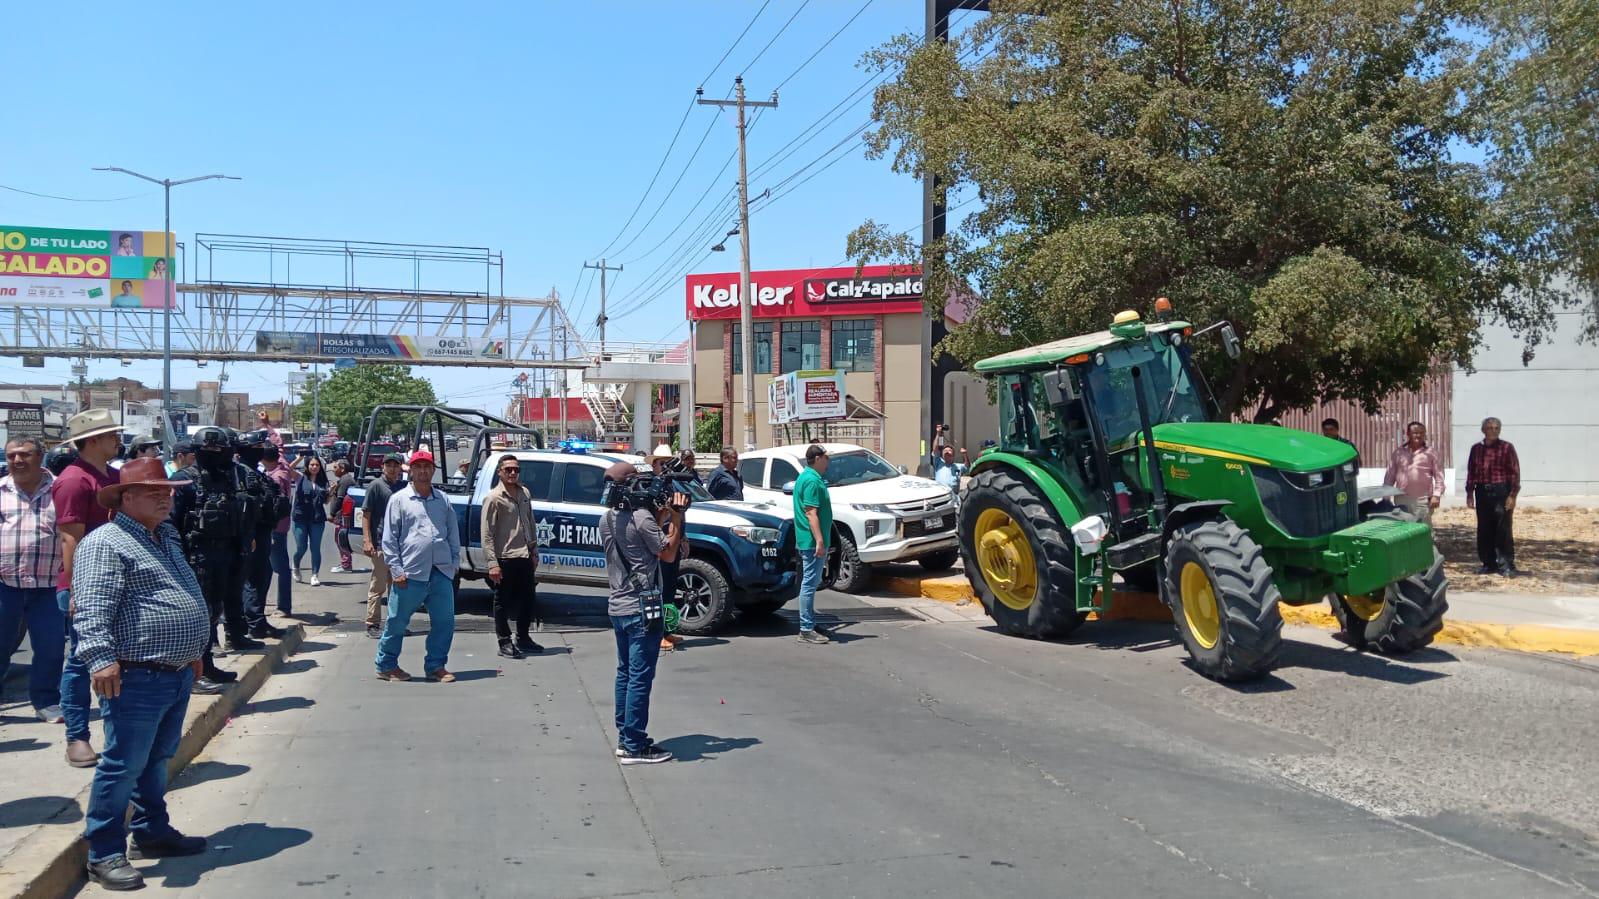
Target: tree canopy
349,395
1289,166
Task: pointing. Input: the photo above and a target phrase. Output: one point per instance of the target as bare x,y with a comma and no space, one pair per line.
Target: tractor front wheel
1405,615
1223,599
1018,556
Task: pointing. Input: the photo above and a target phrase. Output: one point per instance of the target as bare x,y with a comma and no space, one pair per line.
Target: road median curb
1148,607
49,862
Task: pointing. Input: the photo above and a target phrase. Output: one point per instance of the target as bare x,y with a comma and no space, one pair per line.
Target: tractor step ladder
1126,554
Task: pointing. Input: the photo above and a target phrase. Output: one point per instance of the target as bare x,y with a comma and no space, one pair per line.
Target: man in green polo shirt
813,528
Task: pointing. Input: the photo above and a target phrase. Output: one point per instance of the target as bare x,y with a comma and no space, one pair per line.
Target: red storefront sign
809,293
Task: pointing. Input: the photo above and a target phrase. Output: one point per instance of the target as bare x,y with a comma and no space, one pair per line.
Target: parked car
880,514
741,554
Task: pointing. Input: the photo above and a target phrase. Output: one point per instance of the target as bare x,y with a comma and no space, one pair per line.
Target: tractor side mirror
1059,387
1229,341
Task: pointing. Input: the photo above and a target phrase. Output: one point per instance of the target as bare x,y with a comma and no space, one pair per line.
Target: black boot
114,873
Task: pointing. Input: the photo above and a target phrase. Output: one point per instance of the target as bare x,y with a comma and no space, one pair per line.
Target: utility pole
565,384
746,335
167,184
602,319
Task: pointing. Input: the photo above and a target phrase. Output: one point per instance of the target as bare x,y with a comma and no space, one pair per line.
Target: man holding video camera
644,509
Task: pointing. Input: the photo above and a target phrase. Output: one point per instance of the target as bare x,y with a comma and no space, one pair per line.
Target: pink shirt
284,477
1415,471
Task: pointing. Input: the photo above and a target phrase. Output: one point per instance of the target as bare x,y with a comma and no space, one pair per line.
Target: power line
775,36
18,190
747,27
824,45
680,176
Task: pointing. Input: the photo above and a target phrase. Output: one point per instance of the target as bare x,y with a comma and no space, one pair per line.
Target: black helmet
212,438
256,438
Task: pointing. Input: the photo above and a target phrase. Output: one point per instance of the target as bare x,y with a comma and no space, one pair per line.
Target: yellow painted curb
1148,607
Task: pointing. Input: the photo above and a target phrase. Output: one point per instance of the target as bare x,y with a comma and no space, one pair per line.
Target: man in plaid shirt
142,627
30,557
1493,478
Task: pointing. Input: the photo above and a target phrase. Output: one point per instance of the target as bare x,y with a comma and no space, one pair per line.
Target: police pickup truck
741,554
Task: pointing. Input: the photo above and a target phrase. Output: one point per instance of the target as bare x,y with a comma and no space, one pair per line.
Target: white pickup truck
880,514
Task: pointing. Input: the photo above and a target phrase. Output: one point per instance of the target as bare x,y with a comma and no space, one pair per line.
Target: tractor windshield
1170,393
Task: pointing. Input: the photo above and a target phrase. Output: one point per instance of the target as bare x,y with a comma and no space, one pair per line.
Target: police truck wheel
1407,614
1018,556
704,599
1223,599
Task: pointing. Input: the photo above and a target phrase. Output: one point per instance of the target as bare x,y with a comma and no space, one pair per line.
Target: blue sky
527,128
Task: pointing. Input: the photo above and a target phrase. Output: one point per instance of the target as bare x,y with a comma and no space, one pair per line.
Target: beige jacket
508,526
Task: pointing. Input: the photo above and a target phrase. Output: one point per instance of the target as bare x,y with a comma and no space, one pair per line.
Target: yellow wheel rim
1367,607
1005,559
1199,606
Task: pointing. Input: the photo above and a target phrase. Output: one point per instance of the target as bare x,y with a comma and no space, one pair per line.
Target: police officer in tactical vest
216,516
273,506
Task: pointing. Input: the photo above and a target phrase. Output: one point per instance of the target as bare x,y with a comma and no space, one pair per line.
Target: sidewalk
1527,622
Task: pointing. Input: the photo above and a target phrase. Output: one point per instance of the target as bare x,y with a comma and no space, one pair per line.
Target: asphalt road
908,758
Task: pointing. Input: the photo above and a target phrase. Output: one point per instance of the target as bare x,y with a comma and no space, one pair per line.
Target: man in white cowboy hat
143,626
96,437
657,461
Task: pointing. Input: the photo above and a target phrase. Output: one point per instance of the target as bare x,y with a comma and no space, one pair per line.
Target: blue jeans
438,591
257,579
74,680
280,567
142,729
810,582
638,647
46,634
308,535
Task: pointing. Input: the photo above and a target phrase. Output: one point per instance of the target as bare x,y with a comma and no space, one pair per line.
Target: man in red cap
142,626
422,547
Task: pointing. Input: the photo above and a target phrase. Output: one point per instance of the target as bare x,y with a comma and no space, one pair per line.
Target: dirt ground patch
1557,551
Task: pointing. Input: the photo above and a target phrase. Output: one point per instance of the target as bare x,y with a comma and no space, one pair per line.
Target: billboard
808,293
63,267
387,347
806,396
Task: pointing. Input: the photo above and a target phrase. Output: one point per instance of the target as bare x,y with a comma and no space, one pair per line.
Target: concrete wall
1550,409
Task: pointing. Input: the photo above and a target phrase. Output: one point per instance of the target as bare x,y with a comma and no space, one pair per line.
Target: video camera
651,491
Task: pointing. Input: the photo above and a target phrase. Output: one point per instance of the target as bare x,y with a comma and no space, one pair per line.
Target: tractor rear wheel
1018,556
1405,615
1223,599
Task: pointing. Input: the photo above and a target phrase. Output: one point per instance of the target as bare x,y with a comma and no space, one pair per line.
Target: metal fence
1377,435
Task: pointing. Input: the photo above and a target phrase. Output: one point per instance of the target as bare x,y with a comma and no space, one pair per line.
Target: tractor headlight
1351,470
1316,478
756,535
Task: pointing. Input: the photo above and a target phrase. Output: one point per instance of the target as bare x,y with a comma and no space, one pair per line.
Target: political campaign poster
116,269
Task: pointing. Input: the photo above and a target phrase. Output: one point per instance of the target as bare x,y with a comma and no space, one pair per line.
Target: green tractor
1111,460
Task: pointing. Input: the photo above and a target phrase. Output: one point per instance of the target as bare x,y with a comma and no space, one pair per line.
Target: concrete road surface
909,758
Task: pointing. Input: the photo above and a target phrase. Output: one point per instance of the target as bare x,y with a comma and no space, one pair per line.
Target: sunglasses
510,471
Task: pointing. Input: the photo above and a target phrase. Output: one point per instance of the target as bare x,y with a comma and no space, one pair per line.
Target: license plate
934,523
769,551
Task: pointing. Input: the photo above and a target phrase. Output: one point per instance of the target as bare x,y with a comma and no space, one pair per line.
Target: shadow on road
698,747
26,744
298,666
204,772
280,704
230,847
38,810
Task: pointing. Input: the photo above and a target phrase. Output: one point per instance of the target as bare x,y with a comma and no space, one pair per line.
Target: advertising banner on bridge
62,267
387,347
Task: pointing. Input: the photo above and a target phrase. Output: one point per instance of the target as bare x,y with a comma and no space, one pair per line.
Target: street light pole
166,310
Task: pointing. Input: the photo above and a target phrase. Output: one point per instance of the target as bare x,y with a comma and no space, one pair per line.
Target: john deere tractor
1111,460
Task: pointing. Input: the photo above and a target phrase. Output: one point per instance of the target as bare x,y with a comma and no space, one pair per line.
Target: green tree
1538,103
1285,166
708,433
350,394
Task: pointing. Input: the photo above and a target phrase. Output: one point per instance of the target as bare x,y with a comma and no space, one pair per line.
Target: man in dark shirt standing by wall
1493,478
725,482
1331,428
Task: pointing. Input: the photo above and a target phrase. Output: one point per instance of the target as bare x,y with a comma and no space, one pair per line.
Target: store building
867,323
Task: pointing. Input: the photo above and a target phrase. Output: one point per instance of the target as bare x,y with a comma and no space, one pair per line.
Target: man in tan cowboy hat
95,436
658,458
657,461
143,625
